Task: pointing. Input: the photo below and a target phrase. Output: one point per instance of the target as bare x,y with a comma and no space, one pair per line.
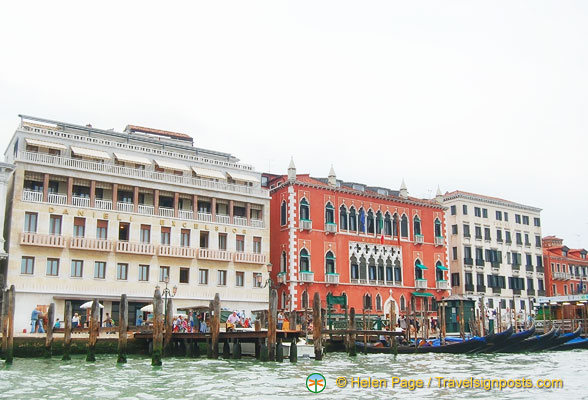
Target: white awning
171,165
132,159
209,173
49,145
90,153
242,177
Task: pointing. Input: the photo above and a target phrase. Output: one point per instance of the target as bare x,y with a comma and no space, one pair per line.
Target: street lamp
268,283
167,293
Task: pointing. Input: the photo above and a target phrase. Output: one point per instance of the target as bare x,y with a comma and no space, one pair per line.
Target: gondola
531,343
513,339
493,340
460,347
561,339
577,343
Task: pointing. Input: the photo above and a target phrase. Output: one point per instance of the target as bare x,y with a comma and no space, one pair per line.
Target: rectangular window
519,238
222,277
487,234
145,233
239,278
537,241
204,239
525,220
77,268
455,279
101,229
30,222
467,252
540,284
53,267
165,235
536,221
99,270
184,275
505,216
163,274
478,230
257,279
222,241
539,261
499,235
454,253
484,213
185,238
527,241
257,245
144,273
498,215
465,209
122,271
79,227
477,212
27,265
507,239
203,276
529,259
55,224
517,218
454,229
466,230
240,243
453,210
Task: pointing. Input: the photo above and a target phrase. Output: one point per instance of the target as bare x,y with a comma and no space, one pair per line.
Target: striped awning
81,151
132,159
48,145
171,165
209,173
243,177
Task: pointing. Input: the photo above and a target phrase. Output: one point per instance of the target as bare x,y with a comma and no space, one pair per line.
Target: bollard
226,350
279,351
293,351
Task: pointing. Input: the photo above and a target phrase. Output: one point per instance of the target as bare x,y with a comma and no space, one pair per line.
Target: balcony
236,220
516,291
186,214
125,207
80,243
331,227
166,212
79,201
468,261
257,223
39,239
223,219
540,270
530,292
135,248
32,196
478,237
207,217
332,278
307,276
439,240
176,251
443,285
420,283
508,241
479,262
103,204
495,265
56,198
469,287
281,278
147,210
481,288
217,255
496,290
305,225
419,239
527,244
540,292
562,276
529,268
250,258
516,267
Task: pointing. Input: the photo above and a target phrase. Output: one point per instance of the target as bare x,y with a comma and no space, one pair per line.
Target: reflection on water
222,379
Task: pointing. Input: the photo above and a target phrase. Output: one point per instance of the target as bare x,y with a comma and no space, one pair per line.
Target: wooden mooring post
94,330
293,356
169,326
271,324
318,327
215,325
10,342
351,348
157,329
4,322
67,332
461,320
49,337
122,329
392,327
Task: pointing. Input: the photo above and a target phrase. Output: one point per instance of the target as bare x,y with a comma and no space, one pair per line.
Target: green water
181,378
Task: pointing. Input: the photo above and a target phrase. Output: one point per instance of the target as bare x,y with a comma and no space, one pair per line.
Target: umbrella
147,308
88,304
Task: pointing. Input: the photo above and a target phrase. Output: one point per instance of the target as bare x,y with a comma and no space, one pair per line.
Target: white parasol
147,308
88,304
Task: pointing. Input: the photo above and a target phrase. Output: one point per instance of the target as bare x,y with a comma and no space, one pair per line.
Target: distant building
97,213
494,250
370,244
5,171
567,269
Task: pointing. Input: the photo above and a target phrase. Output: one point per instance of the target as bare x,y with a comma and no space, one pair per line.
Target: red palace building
370,244
566,270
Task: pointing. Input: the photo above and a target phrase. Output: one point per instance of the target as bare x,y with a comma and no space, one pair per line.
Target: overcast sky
488,97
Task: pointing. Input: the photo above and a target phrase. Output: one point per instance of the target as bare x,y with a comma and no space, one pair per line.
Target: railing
332,278
307,276
237,221
135,248
205,217
481,288
32,196
331,227
516,291
529,268
540,292
251,258
420,283
469,287
443,285
479,262
176,251
419,239
55,198
148,210
257,223
530,292
439,240
496,290
468,261
103,204
223,219
218,255
516,267
39,239
166,212
90,244
125,207
305,224
80,201
495,265
185,214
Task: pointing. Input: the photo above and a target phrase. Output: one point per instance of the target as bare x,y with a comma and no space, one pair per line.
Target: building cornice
496,202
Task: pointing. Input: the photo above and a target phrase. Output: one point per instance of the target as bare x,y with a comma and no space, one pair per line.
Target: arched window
439,271
361,220
352,220
381,270
397,272
284,299
343,218
404,226
330,262
402,303
378,302
416,225
379,222
283,262
354,268
438,228
304,210
329,213
362,268
283,213
370,222
304,300
387,225
372,269
418,269
367,302
389,271
395,225
304,261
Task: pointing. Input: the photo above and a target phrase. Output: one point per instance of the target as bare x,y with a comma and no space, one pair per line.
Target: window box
307,276
305,225
479,262
439,240
481,288
443,285
421,283
331,227
469,287
468,261
419,239
332,278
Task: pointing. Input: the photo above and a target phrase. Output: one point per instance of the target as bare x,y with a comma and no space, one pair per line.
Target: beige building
494,250
97,213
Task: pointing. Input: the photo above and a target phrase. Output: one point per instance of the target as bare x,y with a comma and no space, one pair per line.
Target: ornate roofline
484,199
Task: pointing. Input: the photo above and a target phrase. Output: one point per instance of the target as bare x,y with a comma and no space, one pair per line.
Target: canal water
182,378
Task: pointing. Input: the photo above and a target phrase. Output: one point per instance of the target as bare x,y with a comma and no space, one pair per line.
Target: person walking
35,319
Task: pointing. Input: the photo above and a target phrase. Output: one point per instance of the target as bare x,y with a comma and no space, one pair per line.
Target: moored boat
531,343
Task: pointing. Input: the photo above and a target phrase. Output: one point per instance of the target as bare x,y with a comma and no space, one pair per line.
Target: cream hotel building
96,213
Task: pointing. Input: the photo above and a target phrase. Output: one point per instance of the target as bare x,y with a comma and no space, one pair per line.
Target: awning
171,165
243,177
418,294
421,266
132,159
49,145
209,173
80,151
442,268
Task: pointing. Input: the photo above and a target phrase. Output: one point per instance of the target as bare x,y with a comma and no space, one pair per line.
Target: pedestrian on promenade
35,319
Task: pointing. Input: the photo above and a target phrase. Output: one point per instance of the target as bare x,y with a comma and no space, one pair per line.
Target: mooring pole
271,324
49,337
122,329
157,329
215,325
94,331
10,344
4,322
351,348
167,338
67,332
318,327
